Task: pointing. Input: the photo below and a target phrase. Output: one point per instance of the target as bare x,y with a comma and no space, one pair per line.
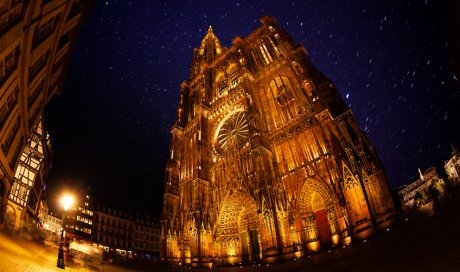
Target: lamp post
66,202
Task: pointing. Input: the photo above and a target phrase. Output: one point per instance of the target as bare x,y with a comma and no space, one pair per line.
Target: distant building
78,221
418,189
50,225
113,230
452,166
50,221
147,237
123,235
36,38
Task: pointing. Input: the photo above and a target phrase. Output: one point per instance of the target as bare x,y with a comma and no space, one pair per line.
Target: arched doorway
317,214
240,230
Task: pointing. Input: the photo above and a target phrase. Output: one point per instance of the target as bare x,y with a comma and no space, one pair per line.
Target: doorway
245,247
324,231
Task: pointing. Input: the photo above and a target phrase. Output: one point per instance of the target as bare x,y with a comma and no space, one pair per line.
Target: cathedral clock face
233,133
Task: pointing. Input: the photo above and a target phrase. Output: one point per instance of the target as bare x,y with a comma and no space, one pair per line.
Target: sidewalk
422,243
18,254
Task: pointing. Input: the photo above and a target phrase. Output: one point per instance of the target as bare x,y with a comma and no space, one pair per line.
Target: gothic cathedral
266,160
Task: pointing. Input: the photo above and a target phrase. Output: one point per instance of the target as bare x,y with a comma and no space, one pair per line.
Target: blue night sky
393,62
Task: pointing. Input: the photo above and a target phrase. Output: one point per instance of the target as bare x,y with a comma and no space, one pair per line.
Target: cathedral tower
266,160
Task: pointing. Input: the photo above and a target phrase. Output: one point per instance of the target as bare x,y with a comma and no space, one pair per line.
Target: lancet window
283,94
222,87
266,55
234,77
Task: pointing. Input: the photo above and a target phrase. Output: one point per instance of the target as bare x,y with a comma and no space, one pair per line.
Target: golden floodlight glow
67,201
258,151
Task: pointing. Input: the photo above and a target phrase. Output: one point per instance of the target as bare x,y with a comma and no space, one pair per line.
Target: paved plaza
423,242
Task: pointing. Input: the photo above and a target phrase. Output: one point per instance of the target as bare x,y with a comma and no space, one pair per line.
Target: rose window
233,134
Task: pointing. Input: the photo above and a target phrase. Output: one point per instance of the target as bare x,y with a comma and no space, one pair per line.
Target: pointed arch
381,190
314,188
221,84
358,210
283,98
373,193
239,227
233,75
317,212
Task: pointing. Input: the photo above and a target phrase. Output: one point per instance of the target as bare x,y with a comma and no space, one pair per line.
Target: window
265,52
10,12
75,9
267,57
10,138
234,78
35,93
35,114
37,66
44,30
64,39
8,107
19,194
282,93
8,64
58,64
221,87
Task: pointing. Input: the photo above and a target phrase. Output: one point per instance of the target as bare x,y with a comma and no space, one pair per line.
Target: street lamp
66,202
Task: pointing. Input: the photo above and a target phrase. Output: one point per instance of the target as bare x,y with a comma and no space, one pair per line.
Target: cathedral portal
239,230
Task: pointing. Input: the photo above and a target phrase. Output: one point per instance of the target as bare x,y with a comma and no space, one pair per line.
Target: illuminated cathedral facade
266,160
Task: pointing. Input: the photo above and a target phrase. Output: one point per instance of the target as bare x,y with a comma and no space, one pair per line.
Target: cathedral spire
210,46
208,51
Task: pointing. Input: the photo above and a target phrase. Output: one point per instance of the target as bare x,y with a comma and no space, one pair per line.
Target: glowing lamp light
67,201
335,239
231,252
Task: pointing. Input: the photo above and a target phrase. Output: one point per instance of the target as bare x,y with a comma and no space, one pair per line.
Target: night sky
394,62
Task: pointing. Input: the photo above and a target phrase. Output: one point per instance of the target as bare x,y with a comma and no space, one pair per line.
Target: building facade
29,180
35,43
147,238
419,192
50,225
266,160
79,220
124,235
51,222
113,231
452,166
